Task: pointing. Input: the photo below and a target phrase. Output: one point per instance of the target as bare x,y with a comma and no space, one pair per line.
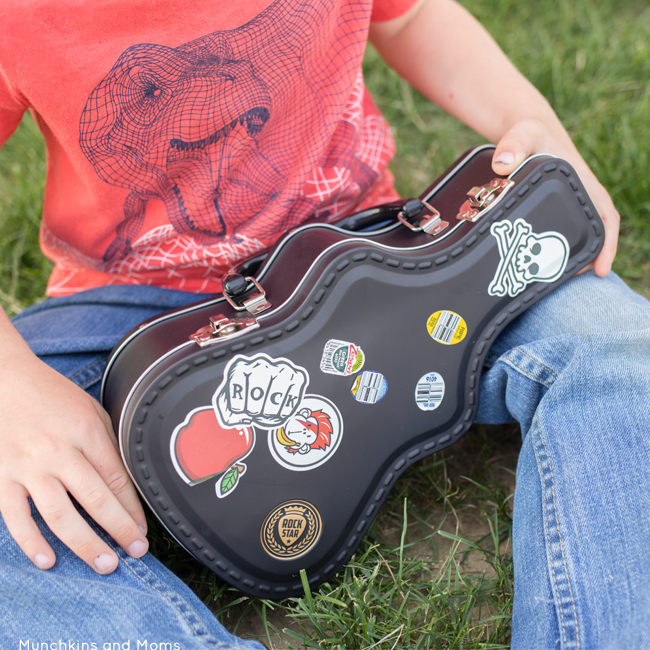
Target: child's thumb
513,148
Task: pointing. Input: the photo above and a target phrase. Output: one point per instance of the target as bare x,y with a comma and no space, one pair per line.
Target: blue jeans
574,371
70,604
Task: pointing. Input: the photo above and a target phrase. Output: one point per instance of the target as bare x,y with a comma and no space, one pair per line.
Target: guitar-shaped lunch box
265,427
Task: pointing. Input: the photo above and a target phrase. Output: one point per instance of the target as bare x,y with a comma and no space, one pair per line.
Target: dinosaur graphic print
241,134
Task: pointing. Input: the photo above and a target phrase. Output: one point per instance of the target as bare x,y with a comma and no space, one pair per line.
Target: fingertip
504,158
105,563
504,162
138,548
44,561
603,264
602,270
605,259
18,519
514,146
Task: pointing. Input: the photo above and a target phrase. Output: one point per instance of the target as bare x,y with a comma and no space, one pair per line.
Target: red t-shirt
185,136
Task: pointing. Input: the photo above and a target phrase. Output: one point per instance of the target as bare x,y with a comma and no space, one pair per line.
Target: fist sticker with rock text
260,391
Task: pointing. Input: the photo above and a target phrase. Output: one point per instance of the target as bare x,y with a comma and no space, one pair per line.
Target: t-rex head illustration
158,101
161,118
187,125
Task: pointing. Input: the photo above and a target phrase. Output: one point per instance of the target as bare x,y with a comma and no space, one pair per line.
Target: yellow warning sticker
446,327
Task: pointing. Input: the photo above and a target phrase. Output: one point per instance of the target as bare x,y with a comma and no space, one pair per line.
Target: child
182,137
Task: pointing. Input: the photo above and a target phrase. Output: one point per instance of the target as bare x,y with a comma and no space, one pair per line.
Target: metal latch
483,197
419,216
238,291
223,329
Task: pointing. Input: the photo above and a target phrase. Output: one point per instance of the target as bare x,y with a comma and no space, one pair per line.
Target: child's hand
446,54
57,439
532,136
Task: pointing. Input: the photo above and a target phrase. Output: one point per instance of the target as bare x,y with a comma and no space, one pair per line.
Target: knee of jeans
586,306
586,368
512,388
611,368
601,395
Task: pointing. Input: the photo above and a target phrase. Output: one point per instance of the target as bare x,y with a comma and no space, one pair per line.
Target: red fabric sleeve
383,10
11,111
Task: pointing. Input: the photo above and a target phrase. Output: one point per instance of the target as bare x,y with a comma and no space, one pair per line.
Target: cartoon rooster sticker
305,431
309,437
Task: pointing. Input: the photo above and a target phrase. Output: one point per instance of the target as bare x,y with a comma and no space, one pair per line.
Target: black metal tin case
271,451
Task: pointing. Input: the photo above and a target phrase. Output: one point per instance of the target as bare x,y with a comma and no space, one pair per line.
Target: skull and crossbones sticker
526,257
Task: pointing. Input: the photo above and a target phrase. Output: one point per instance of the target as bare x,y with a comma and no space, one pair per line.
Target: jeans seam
535,361
91,380
94,363
514,364
179,603
552,524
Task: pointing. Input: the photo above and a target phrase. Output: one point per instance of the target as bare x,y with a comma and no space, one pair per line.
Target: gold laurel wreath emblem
270,537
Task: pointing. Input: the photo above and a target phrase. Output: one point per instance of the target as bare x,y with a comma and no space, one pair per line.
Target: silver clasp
431,223
223,329
482,198
255,303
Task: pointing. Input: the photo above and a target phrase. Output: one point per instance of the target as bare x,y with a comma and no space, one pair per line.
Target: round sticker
429,391
309,437
446,327
369,387
290,530
341,358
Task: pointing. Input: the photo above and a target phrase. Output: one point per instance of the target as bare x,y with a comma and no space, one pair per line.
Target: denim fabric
574,370
75,334
141,605
70,604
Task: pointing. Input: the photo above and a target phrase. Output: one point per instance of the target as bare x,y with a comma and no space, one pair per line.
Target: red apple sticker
201,448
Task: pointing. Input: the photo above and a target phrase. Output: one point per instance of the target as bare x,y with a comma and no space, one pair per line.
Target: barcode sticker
369,387
446,327
429,391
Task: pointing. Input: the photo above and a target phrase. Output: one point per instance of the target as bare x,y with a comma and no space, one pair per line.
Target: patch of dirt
251,626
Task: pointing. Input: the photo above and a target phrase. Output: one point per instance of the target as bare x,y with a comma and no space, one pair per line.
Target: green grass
591,59
23,269
435,570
